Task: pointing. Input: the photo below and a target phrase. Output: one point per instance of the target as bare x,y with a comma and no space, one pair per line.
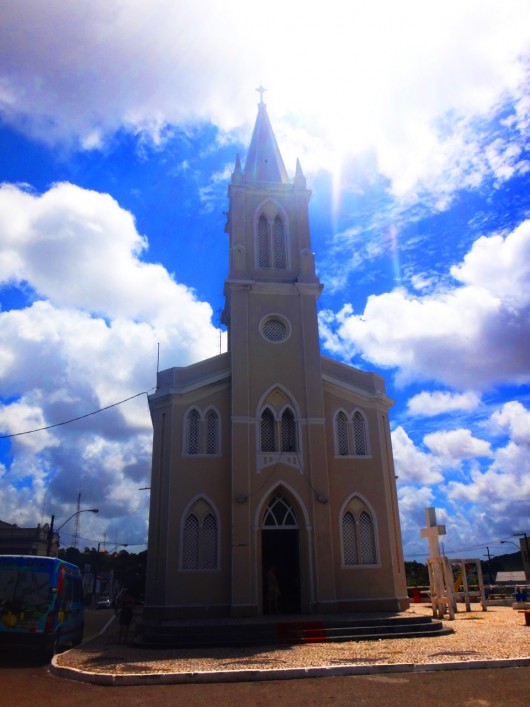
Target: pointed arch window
194,421
280,513
200,538
264,257
351,435
202,434
341,424
278,435
278,431
211,432
358,535
278,244
268,441
288,432
271,240
359,434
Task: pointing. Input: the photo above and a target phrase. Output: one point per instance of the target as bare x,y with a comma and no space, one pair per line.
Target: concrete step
256,633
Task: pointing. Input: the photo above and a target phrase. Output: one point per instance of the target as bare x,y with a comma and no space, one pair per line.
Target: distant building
26,541
518,576
271,461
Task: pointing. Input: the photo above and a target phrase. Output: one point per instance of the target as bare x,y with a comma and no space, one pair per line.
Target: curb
113,679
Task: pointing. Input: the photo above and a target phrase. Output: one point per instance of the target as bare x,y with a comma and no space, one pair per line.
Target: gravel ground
499,633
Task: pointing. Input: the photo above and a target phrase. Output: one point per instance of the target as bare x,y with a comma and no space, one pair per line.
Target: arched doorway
280,549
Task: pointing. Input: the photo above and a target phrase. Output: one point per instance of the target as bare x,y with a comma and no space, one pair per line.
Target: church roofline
364,383
182,380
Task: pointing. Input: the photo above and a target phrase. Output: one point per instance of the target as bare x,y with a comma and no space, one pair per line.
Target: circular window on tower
275,328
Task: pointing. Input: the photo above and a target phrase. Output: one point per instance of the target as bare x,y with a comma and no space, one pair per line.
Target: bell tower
270,312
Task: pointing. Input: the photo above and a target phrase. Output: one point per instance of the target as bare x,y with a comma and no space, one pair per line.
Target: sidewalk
496,638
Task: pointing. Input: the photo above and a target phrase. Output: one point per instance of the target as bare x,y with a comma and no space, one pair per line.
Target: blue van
41,602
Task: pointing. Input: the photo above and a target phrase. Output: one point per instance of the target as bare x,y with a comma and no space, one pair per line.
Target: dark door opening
280,549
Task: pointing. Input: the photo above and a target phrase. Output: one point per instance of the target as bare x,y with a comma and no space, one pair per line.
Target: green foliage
129,568
417,574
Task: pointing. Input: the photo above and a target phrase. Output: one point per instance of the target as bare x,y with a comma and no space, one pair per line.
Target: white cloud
489,497
471,336
455,445
515,419
88,340
383,75
412,465
428,404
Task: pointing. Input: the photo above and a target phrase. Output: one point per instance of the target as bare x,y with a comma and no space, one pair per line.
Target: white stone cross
432,532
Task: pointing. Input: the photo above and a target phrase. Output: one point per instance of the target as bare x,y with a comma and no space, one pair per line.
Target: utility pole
75,539
489,565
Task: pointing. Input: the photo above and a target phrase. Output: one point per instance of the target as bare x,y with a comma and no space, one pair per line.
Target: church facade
271,462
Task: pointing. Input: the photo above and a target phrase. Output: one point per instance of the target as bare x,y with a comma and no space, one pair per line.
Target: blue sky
119,126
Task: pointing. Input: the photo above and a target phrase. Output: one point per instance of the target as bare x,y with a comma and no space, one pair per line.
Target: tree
417,574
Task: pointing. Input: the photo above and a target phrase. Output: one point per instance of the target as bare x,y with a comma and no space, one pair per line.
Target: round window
275,329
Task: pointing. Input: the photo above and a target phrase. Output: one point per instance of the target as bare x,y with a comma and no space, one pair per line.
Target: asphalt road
26,681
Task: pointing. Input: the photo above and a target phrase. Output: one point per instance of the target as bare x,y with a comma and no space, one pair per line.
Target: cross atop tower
432,532
261,91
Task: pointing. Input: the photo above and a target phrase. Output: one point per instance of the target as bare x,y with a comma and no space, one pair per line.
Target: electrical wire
75,419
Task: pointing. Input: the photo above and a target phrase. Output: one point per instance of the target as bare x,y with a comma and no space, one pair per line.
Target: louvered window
200,539
278,244
202,434
359,434
211,432
358,535
366,539
190,545
342,433
193,432
271,243
264,258
268,443
209,538
288,432
351,435
349,539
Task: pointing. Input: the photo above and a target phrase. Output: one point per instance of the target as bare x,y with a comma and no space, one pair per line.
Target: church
273,487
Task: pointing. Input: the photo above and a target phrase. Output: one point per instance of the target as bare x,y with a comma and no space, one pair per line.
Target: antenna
158,358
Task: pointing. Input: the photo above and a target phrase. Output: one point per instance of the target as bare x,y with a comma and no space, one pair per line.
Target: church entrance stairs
286,630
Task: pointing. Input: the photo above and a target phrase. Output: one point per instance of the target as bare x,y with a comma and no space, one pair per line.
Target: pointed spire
299,178
237,174
264,161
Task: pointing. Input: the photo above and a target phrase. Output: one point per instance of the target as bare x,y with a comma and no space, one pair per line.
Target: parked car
103,603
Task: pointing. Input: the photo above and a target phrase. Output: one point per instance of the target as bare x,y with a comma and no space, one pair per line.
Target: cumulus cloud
455,445
485,488
515,419
444,336
428,403
383,75
411,463
86,339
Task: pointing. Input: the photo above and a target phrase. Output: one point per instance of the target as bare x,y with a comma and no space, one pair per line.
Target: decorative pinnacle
261,91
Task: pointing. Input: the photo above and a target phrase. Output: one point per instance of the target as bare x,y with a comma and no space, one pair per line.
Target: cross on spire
261,91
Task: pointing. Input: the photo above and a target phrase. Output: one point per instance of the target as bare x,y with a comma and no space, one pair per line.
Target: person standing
273,590
125,617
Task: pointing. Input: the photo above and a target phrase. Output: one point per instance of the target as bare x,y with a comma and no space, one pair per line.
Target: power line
74,419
